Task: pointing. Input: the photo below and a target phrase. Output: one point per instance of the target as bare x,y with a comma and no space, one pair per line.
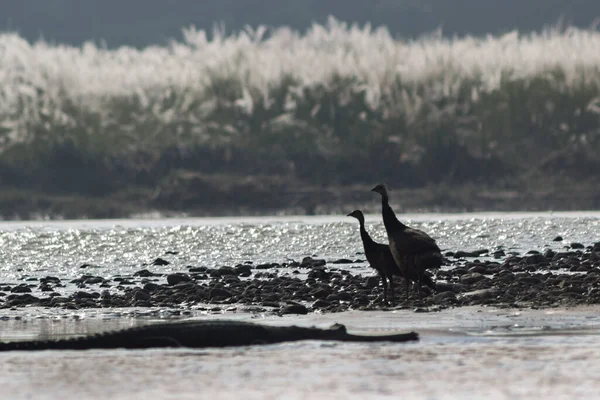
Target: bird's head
358,215
381,190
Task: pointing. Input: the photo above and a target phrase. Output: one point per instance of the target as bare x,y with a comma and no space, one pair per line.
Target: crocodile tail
398,337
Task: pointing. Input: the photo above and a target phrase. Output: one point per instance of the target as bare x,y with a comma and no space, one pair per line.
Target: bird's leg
420,275
392,288
404,267
385,291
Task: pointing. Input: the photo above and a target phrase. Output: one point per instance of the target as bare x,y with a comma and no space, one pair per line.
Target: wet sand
467,352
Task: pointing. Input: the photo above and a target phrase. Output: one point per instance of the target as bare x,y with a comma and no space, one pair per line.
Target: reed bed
338,102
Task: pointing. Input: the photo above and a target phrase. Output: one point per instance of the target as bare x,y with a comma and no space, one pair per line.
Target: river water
112,247
463,353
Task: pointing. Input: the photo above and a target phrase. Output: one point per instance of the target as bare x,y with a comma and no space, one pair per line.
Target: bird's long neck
364,235
389,217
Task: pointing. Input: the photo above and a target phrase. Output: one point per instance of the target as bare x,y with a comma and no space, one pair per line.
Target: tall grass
337,103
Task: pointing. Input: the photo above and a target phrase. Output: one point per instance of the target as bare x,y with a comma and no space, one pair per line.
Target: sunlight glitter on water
41,248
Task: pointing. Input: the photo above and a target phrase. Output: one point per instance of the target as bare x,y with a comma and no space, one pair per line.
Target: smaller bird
381,259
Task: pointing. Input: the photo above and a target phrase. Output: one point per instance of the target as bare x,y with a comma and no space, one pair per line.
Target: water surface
110,247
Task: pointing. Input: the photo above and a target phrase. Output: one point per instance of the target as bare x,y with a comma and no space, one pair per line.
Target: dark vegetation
526,137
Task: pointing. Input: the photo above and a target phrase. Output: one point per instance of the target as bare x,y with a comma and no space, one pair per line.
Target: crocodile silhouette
203,334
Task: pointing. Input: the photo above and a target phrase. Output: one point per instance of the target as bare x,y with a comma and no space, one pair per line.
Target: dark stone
549,254
536,259
21,289
141,295
159,261
152,287
217,292
558,239
320,303
342,261
92,280
319,273
197,269
221,271
576,245
480,269
50,279
469,279
360,301
309,262
230,280
184,285
344,296
58,300
453,287
476,253
320,293
459,271
174,279
530,280
86,295
267,266
144,273
243,270
463,254
499,253
293,309
444,297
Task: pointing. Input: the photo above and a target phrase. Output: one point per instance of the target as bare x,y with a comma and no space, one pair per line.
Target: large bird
413,250
381,259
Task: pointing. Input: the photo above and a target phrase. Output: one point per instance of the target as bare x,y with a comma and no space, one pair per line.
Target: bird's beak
349,215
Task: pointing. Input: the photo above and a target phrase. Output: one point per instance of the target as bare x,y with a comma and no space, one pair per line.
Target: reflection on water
64,324
110,247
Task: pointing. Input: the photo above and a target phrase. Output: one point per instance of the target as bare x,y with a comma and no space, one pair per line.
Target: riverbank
500,278
199,195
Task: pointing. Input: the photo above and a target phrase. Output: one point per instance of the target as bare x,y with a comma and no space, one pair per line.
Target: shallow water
41,248
460,355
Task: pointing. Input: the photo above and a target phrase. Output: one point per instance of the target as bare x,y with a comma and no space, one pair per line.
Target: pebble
21,289
309,262
174,279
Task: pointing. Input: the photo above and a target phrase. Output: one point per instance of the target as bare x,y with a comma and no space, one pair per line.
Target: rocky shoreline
483,277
